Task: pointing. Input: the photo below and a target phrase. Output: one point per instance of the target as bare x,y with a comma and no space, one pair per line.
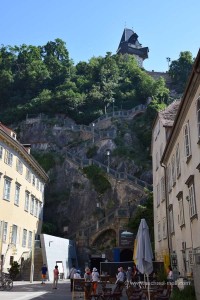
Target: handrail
118,175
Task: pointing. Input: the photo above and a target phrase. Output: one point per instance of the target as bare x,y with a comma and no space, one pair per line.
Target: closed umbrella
143,254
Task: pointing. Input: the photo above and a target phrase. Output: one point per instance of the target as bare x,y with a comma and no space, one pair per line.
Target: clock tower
129,44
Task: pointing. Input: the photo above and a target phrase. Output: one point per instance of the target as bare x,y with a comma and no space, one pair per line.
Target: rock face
71,200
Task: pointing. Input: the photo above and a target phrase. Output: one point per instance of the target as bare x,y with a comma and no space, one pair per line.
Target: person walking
55,277
120,279
170,276
88,283
129,276
71,276
95,279
44,273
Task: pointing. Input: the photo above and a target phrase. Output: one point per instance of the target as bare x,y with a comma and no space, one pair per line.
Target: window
11,260
181,209
41,187
173,171
158,194
171,219
32,205
14,235
1,152
159,232
198,117
164,228
26,205
5,231
36,209
19,166
191,198
30,239
169,184
7,188
28,175
192,201
33,180
40,211
8,158
24,238
37,184
162,185
187,145
17,192
178,165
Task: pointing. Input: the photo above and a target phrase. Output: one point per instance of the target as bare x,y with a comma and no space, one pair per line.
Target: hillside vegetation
43,79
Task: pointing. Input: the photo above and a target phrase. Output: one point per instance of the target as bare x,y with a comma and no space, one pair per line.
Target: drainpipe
169,240
1,244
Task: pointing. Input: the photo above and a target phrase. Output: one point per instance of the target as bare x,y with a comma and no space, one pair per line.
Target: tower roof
129,44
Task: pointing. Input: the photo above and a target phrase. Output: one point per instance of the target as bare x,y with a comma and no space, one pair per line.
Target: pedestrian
129,275
135,273
71,276
120,278
170,275
77,275
95,279
88,283
55,277
44,273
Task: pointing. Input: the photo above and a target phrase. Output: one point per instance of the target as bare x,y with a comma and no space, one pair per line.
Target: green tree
144,212
180,70
56,59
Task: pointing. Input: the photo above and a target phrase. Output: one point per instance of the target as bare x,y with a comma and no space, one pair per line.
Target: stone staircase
26,267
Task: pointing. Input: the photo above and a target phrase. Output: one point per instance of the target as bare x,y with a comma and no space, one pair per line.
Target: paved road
26,291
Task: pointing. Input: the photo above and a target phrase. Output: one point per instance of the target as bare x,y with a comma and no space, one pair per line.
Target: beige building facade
176,179
22,183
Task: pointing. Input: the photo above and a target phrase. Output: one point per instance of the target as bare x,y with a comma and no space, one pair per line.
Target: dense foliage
180,70
144,212
98,179
43,79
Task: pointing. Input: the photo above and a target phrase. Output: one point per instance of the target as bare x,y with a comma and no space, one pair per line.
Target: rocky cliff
72,201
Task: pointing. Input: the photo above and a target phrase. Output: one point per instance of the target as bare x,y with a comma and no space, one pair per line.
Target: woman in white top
170,276
95,279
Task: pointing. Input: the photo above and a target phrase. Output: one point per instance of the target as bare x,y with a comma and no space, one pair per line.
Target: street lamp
93,124
108,155
168,60
113,101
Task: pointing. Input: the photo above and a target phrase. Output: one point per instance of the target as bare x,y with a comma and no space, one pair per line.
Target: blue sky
94,27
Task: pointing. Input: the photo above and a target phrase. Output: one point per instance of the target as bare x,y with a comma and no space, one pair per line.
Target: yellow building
22,183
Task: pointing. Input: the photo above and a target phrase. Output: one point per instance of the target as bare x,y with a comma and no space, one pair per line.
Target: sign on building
126,239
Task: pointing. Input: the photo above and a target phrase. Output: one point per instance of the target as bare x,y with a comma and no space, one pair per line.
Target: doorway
126,255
